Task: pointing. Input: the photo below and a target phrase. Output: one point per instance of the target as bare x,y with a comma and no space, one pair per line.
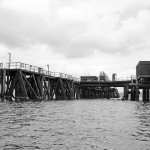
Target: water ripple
75,125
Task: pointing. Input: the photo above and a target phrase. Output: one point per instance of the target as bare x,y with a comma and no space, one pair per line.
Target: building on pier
103,76
143,79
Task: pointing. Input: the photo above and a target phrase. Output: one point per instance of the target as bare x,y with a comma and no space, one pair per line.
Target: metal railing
132,77
19,65
23,66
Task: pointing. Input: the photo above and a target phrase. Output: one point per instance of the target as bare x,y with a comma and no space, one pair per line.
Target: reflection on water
75,125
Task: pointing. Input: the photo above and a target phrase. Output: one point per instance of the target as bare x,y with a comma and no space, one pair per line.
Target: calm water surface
75,125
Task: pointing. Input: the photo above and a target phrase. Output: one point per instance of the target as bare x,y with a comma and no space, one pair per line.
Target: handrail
131,78
23,66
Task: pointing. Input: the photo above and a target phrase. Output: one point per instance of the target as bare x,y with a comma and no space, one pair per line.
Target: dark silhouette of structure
21,81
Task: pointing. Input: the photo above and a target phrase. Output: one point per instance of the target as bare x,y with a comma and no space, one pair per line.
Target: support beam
30,87
40,86
36,86
10,95
20,88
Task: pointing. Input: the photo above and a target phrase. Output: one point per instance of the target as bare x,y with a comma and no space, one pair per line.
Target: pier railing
32,68
131,78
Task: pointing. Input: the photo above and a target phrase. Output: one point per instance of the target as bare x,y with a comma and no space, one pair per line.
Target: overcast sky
78,37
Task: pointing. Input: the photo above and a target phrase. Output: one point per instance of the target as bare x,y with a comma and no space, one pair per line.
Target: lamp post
9,59
48,68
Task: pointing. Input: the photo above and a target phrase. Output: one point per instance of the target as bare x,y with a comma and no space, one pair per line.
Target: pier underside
99,92
21,84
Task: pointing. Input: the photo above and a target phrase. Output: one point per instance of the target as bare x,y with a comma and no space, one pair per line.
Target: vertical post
127,96
42,83
9,59
124,97
132,93
49,89
108,93
144,95
137,93
3,83
147,95
48,68
1,80
126,90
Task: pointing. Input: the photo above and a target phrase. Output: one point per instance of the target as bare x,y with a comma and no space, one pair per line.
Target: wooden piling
3,83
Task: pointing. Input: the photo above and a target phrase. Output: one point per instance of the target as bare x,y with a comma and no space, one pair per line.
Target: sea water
75,125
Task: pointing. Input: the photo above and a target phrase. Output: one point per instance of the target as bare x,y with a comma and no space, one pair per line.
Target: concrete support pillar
137,93
108,93
124,94
144,95
147,95
133,93
126,90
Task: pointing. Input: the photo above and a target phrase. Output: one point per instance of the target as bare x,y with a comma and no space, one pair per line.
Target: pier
20,81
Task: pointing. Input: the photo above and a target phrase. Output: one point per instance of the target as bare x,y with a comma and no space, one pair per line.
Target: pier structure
107,89
91,88
20,81
104,87
98,92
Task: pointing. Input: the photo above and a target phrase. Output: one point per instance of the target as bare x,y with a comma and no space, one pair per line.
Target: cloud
75,28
